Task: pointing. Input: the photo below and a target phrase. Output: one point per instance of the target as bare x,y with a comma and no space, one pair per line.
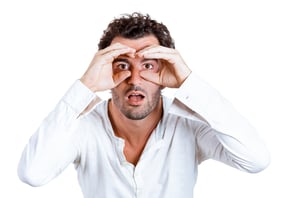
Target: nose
135,78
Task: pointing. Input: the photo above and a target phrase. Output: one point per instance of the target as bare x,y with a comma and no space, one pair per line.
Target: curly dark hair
134,26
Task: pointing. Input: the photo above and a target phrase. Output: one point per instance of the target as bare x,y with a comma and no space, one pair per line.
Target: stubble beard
137,112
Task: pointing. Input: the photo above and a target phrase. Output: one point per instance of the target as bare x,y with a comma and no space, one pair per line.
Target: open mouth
135,98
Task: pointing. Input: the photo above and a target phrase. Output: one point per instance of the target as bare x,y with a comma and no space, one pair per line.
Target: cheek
115,94
154,91
120,87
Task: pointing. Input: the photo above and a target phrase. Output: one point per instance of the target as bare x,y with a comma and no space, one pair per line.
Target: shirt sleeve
228,137
53,146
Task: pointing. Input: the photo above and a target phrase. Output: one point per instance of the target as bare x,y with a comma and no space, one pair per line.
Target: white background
240,47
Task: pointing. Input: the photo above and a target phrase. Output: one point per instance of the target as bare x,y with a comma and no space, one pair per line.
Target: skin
135,70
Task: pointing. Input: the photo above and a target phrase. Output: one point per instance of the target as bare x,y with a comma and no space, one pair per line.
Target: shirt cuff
198,95
78,97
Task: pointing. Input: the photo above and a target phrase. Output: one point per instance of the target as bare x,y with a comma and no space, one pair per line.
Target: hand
173,70
99,75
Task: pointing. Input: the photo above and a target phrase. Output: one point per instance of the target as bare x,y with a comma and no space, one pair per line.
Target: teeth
134,95
139,95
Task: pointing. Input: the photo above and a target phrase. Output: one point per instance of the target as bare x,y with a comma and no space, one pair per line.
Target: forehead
137,44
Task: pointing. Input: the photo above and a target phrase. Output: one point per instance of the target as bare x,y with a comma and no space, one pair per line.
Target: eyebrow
127,61
120,60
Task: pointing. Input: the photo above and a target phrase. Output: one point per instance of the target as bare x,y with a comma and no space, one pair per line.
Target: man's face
136,97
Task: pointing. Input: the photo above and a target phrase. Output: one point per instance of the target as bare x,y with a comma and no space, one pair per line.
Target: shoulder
172,107
182,119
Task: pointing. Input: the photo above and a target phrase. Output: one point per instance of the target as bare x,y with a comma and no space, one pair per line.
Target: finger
155,49
160,55
159,52
112,52
152,77
116,53
112,47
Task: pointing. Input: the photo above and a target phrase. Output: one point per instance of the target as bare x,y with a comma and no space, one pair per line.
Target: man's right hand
99,75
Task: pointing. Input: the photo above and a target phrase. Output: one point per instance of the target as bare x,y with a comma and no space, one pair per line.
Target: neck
134,131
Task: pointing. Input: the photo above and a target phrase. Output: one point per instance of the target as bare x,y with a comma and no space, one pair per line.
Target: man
139,143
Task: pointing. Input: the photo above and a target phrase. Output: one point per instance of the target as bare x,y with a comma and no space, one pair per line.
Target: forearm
232,130
53,146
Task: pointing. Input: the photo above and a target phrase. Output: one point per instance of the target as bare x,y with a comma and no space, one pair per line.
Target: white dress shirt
198,124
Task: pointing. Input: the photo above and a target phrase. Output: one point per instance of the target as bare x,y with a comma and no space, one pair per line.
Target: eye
151,65
121,66
148,66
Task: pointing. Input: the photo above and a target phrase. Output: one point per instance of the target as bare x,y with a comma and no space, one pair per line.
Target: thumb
121,76
152,77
